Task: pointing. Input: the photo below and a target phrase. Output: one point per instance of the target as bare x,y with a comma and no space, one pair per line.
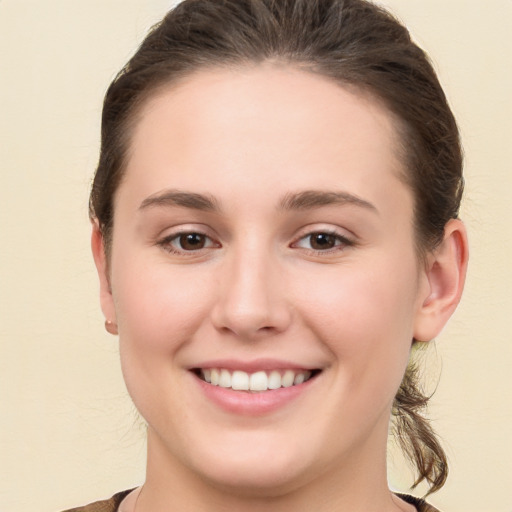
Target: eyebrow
304,200
183,199
310,199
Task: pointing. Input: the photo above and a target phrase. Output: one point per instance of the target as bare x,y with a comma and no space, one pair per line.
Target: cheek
365,316
158,306
158,311
363,301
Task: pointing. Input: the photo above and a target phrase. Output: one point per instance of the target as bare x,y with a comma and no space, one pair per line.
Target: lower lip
249,403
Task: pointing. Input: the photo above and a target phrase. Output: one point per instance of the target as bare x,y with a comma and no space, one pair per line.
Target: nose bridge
250,300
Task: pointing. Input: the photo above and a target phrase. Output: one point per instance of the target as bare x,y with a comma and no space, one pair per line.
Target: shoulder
421,505
110,505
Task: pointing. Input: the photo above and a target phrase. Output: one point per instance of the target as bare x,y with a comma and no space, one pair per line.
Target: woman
275,228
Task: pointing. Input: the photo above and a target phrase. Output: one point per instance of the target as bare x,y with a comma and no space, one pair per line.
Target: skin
250,138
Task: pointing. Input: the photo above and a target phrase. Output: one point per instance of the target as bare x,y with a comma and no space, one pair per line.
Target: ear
100,259
444,276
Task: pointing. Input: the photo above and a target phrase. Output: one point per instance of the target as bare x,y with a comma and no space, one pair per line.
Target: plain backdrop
68,432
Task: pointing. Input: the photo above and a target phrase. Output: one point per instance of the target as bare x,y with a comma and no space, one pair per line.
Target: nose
251,300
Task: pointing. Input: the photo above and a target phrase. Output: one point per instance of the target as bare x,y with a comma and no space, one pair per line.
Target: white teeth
299,378
240,381
274,380
288,378
258,381
225,379
215,375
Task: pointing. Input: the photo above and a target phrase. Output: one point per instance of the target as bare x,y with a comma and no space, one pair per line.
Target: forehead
223,127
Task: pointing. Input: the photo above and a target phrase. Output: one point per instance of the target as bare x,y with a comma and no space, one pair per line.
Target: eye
323,241
187,242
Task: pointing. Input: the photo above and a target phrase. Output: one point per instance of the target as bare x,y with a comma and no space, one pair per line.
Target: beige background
68,433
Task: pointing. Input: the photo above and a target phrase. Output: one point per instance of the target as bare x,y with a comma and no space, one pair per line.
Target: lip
253,366
247,403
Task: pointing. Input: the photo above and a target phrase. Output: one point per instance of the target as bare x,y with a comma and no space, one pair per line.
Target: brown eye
187,242
322,241
191,241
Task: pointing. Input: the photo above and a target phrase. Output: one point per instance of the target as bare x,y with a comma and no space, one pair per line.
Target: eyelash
341,242
167,242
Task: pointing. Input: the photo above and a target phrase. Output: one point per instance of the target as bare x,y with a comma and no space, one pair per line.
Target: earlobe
445,274
102,267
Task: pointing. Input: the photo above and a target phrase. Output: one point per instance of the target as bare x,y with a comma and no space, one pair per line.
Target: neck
359,484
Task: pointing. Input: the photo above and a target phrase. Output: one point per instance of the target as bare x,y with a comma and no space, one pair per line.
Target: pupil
192,241
322,241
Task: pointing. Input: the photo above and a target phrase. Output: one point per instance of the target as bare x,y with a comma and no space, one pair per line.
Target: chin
250,482
262,471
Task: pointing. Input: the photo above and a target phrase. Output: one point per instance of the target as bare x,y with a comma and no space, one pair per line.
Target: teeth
214,375
259,381
240,381
225,379
288,378
299,378
274,380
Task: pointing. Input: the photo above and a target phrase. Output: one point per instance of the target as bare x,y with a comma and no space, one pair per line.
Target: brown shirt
113,503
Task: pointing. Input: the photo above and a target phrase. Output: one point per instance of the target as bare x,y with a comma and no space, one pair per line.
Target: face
263,239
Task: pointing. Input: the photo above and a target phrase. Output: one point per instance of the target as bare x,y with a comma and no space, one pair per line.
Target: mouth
257,382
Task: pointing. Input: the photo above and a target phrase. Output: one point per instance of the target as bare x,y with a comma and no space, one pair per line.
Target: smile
259,381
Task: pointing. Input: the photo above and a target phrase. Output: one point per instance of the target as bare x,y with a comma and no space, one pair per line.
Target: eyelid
345,239
165,242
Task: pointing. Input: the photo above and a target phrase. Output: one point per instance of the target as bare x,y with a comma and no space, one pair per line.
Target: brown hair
352,42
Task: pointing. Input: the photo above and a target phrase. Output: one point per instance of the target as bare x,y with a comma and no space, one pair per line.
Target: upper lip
253,366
